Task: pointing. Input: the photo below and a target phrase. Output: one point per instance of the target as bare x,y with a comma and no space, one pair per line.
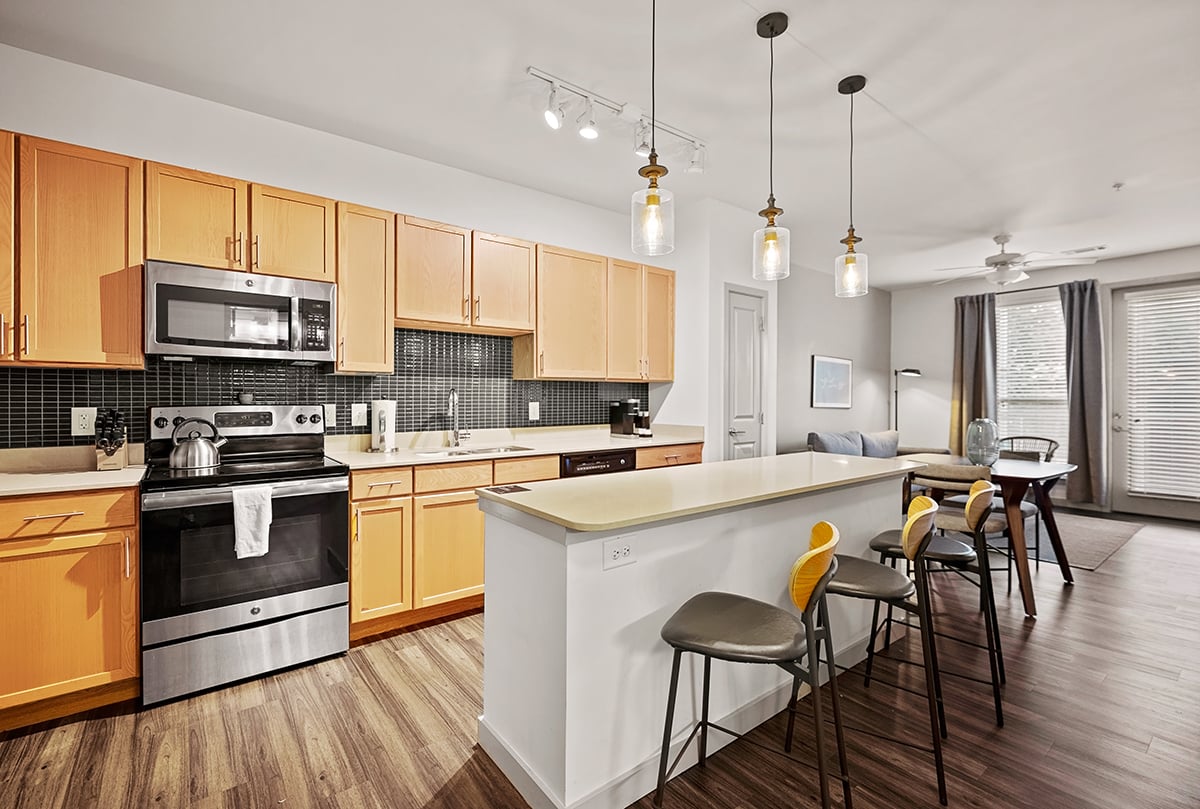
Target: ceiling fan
1006,268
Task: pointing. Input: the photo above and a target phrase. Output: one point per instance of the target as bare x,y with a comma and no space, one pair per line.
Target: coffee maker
622,417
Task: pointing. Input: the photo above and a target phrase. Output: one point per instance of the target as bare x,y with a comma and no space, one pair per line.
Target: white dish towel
251,520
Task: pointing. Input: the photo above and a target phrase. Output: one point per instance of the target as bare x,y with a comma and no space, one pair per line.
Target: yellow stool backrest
979,503
809,569
921,512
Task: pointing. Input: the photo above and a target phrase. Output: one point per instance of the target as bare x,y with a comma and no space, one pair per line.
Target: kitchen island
581,574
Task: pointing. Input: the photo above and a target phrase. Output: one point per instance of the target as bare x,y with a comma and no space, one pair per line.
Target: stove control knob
302,419
315,418
160,422
177,420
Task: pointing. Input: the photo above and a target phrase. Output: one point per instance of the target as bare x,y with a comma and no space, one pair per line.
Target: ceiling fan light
850,275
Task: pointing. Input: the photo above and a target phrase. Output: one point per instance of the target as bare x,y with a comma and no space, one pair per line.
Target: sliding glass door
1156,400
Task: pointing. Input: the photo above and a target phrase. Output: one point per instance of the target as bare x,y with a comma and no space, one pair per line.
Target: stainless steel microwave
195,311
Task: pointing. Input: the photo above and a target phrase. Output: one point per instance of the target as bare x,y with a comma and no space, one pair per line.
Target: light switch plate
535,411
358,415
330,416
83,421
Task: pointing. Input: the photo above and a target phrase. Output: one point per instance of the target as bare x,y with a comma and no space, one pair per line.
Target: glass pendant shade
652,212
850,275
772,253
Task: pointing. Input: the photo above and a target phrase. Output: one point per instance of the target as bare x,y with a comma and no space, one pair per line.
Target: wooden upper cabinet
660,324
196,218
8,279
79,290
503,282
626,320
571,341
293,234
366,273
433,272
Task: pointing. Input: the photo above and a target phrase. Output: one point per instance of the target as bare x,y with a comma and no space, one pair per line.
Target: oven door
193,582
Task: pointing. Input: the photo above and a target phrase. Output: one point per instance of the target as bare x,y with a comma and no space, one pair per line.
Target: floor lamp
899,373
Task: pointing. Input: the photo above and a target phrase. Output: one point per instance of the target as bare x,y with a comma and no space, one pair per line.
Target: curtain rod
1029,289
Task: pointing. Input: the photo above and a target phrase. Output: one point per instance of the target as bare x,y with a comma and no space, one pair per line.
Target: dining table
1016,477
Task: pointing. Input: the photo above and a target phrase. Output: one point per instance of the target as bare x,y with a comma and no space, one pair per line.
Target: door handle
1118,429
736,432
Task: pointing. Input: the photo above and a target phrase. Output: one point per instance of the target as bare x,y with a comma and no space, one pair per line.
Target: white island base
575,673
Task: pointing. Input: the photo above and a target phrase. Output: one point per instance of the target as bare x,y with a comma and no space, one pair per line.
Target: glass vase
983,442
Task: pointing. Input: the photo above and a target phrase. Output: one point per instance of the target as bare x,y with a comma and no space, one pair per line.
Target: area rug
1088,541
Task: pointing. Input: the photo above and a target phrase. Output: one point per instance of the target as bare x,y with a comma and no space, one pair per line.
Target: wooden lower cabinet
68,614
381,559
671,455
447,547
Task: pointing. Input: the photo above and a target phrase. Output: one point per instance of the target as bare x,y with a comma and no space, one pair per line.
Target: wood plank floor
1102,708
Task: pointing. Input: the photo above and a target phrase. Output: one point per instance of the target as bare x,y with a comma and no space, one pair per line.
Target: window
1031,367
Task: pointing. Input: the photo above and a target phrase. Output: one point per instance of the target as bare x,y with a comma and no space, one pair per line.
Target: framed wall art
832,381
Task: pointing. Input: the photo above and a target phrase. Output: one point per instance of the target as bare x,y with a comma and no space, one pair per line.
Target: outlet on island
618,552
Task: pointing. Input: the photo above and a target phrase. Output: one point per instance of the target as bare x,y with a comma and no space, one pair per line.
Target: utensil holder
118,460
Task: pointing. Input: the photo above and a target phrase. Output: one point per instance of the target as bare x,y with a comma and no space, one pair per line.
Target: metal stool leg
666,746
831,670
990,626
931,688
791,726
704,713
814,685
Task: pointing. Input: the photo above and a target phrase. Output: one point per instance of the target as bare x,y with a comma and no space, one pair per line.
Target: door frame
765,296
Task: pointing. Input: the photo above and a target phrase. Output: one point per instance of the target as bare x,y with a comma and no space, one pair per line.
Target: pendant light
652,210
772,244
850,268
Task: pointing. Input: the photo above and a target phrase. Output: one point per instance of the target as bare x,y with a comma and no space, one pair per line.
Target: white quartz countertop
425,448
605,502
17,483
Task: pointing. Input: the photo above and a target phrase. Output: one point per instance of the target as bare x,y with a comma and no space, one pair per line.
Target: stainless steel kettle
195,451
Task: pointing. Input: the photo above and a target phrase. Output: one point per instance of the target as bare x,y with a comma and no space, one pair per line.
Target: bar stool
976,520
730,627
862,578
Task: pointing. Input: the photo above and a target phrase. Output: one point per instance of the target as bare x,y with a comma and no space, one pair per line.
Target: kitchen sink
493,450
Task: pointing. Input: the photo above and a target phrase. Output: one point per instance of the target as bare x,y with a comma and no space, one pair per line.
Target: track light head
554,111
641,140
587,123
696,164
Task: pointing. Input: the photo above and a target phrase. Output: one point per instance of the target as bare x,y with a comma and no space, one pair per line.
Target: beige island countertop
612,501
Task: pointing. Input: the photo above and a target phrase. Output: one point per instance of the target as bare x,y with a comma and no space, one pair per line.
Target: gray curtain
1088,432
973,395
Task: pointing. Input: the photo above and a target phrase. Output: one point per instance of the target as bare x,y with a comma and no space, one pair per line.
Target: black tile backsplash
35,403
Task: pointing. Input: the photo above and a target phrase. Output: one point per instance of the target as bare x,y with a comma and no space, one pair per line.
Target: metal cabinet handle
3,335
55,516
342,350
357,517
669,457
238,244
25,333
387,483
541,361
257,251
127,556
466,308
477,308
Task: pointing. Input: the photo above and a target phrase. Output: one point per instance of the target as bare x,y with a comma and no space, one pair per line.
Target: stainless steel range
211,613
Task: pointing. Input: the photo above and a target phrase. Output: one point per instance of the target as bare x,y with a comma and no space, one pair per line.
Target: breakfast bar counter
581,574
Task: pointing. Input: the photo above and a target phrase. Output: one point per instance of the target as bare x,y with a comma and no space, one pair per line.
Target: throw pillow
882,444
838,443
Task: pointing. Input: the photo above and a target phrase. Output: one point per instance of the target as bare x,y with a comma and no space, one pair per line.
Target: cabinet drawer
525,470
674,455
394,482
67,512
442,477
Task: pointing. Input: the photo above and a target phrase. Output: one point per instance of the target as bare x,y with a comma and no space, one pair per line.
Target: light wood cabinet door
79,288
293,234
673,455
572,323
447,548
503,282
381,559
366,273
68,614
525,470
433,272
8,224
626,321
659,313
196,218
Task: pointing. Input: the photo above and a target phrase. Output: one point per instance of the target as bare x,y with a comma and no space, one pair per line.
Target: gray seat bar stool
734,628
976,520
864,579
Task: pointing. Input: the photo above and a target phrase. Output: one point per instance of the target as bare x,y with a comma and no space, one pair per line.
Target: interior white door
744,329
1156,401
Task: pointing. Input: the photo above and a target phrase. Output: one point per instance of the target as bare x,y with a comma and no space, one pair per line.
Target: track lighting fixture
652,209
696,163
850,268
641,140
587,123
772,244
554,110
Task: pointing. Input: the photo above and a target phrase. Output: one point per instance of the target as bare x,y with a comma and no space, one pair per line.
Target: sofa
882,444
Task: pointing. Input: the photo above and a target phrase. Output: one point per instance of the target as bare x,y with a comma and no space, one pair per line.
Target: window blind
1162,413
1031,370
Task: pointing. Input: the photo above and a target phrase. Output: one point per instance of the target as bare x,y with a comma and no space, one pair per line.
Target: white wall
59,100
923,330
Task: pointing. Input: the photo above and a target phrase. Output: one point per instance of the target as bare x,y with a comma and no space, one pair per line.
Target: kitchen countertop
606,502
427,448
17,483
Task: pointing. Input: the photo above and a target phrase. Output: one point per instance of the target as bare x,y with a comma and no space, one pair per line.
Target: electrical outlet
535,411
618,552
358,415
330,416
83,421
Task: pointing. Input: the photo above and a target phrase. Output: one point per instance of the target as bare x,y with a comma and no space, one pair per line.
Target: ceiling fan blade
1046,263
960,277
960,269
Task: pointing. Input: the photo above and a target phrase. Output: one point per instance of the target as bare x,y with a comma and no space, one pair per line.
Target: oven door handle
161,501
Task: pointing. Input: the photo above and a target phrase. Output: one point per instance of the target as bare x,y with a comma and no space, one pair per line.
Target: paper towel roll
383,425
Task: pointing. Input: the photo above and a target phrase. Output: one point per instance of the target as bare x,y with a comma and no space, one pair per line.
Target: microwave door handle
296,326
162,501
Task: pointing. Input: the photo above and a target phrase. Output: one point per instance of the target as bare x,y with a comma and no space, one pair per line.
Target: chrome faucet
452,414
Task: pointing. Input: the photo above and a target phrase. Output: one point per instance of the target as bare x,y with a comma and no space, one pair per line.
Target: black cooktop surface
240,472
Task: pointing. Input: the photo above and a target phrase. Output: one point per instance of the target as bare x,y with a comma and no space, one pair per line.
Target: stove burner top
242,472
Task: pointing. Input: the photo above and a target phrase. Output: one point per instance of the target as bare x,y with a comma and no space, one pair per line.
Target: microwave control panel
314,324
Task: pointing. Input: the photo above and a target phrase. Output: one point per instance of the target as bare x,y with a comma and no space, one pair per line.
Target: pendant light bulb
652,209
772,254
850,268
554,111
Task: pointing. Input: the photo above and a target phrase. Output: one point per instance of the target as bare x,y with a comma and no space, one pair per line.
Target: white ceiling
977,117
